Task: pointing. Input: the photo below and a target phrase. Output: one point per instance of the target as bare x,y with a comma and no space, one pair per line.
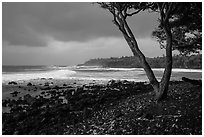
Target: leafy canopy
185,19
186,28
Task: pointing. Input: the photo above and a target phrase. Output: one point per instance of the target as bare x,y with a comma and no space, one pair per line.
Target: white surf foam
179,70
55,74
108,79
98,68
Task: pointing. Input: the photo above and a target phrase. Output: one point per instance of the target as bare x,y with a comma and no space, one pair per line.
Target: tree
186,29
167,12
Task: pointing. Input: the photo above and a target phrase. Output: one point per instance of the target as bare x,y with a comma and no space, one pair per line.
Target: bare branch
168,12
140,9
130,14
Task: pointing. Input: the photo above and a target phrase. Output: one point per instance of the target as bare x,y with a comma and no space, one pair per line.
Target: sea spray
55,74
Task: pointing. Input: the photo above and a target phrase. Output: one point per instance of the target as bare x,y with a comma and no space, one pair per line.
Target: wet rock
15,93
111,82
29,84
57,87
46,88
12,83
46,84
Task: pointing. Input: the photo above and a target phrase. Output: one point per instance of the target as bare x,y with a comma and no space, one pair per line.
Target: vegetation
186,29
169,13
188,62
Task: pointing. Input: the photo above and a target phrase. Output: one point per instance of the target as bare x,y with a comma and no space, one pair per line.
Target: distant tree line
190,62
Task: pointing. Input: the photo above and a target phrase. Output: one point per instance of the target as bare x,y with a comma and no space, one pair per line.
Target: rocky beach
63,107
101,68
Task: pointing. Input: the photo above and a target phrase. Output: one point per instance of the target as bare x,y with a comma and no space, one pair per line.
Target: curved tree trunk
159,88
164,84
137,53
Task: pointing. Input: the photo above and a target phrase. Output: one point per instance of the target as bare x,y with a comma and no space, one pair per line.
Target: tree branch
130,14
168,12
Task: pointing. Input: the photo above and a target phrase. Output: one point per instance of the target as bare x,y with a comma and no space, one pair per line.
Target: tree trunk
164,84
159,88
137,53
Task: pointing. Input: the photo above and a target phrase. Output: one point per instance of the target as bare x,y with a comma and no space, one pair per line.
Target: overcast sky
68,34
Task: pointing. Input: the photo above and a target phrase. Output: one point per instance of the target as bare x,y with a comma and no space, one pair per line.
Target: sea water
17,73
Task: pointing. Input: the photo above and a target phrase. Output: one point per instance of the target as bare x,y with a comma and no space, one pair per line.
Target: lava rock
64,85
15,93
12,83
46,84
29,84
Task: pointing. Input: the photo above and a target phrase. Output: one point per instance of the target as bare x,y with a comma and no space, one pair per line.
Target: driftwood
192,81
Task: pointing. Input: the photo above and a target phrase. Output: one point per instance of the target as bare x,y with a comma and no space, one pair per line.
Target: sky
69,33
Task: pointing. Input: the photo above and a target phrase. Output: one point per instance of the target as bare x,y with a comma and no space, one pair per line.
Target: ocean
96,73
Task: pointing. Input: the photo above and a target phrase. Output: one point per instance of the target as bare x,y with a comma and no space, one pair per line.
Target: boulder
64,85
12,83
15,93
46,84
29,84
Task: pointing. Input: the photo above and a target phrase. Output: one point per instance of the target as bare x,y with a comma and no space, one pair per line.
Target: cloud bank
68,33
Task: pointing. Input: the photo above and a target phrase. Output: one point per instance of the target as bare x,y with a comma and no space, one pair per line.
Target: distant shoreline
187,62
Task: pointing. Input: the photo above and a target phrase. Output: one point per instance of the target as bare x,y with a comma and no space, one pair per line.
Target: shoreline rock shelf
120,107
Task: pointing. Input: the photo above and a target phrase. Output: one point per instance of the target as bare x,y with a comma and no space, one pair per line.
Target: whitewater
91,73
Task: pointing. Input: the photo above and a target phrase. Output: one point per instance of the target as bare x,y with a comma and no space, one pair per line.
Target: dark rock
15,93
192,81
46,84
111,82
12,83
29,84
64,85
46,88
56,87
29,99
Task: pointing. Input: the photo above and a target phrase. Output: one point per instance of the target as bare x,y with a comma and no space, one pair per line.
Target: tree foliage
173,18
186,28
187,62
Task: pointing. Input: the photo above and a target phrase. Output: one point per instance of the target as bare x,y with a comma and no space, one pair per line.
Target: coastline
115,107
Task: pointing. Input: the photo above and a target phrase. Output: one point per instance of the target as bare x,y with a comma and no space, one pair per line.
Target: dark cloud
34,24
